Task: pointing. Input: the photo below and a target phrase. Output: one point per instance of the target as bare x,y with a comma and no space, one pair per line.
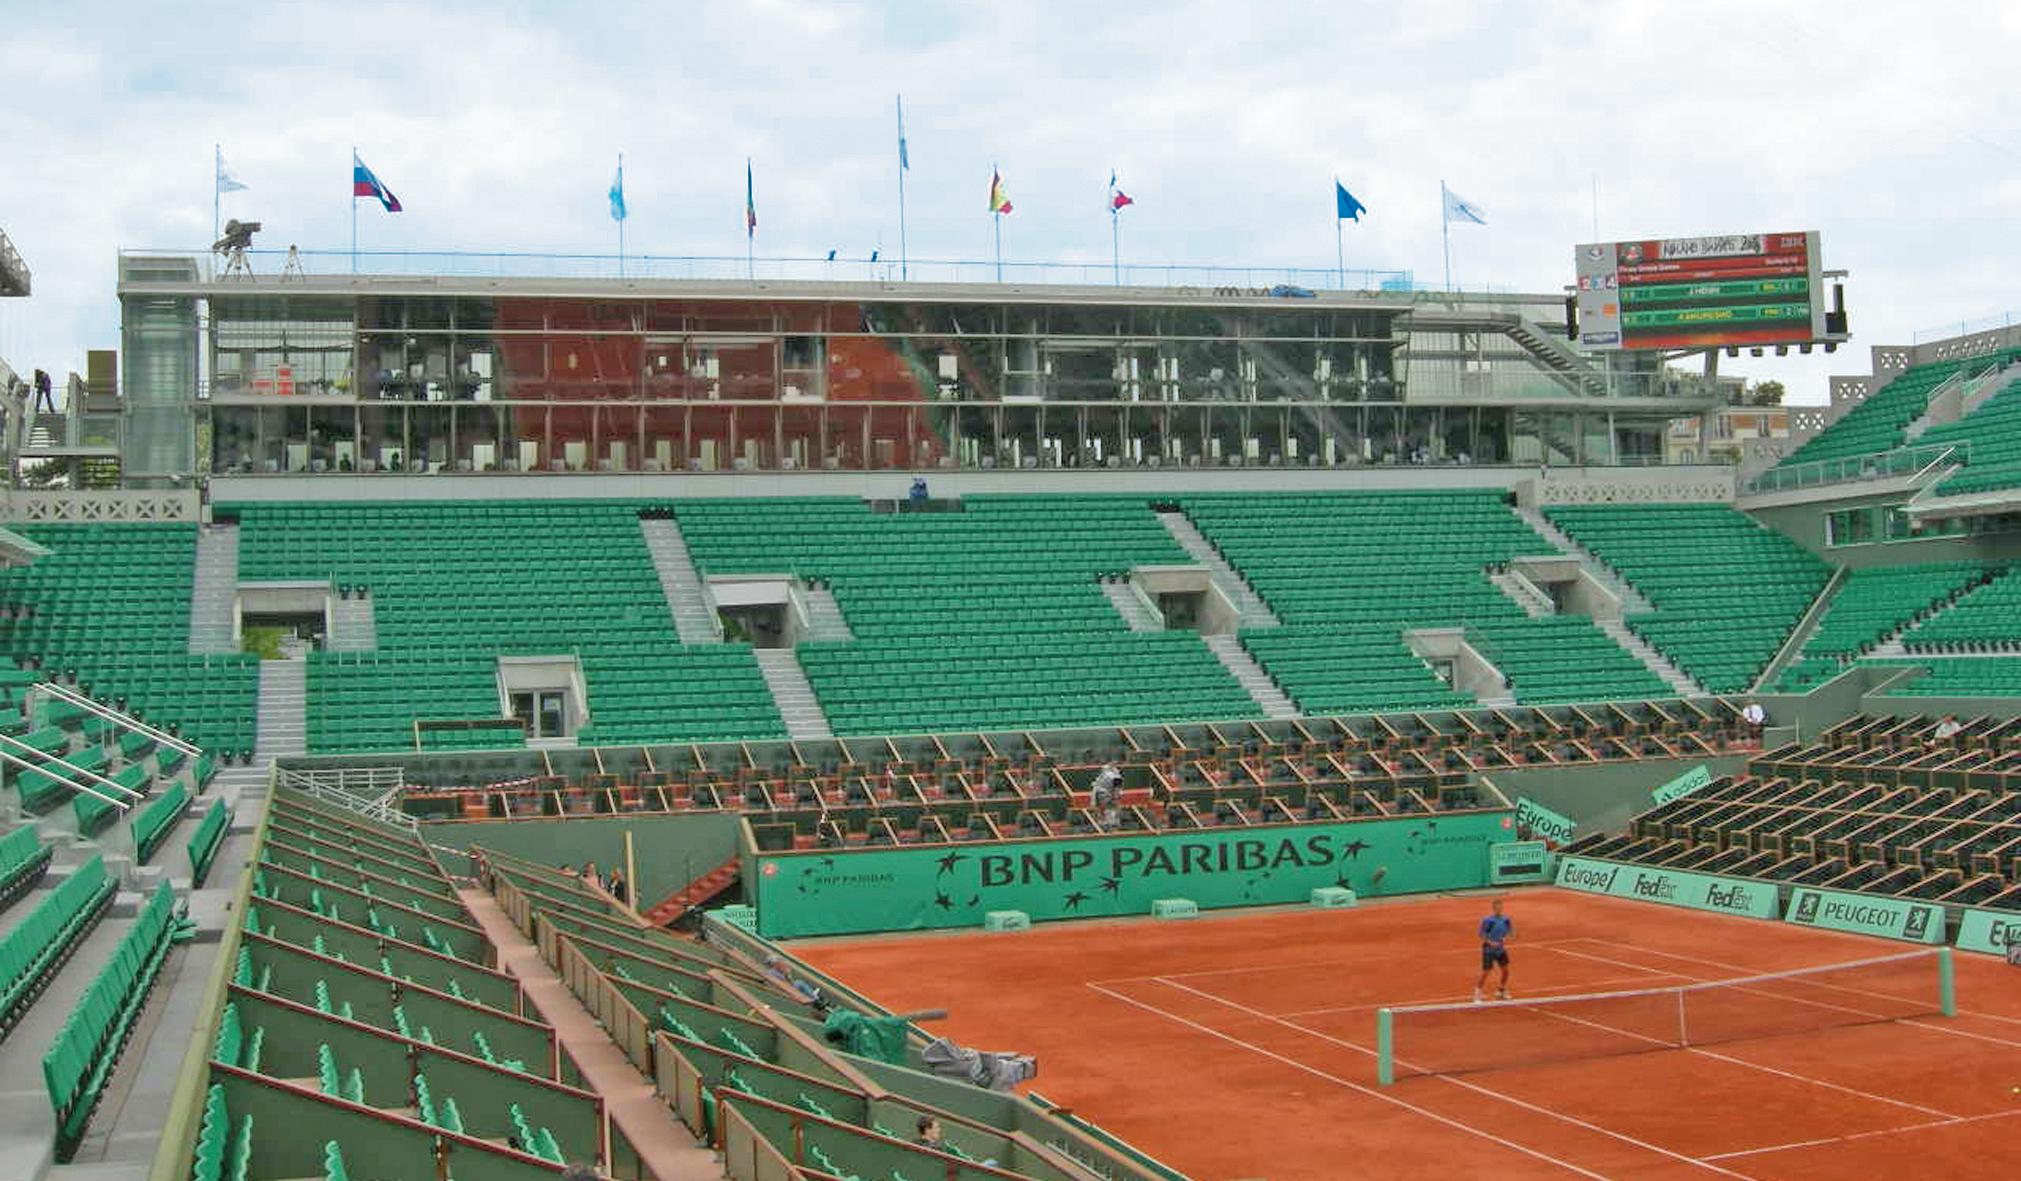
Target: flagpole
997,220
904,268
1116,241
217,191
1339,257
621,221
1446,232
354,209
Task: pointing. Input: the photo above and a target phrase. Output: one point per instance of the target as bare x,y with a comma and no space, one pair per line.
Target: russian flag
364,184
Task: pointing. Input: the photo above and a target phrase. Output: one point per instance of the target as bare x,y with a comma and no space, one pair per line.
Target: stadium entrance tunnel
1186,599
301,609
1570,587
1457,662
763,610
547,694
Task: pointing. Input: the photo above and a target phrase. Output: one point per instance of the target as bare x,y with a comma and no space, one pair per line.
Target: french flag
365,184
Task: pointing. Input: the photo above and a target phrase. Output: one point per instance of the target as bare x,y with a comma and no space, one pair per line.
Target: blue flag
1344,204
1458,208
618,192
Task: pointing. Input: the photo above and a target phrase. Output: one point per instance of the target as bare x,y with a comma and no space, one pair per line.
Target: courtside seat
30,952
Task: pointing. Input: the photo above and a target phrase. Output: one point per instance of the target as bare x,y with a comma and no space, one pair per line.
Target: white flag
1458,208
228,180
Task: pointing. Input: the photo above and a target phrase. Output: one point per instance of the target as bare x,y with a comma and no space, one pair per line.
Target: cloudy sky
1897,135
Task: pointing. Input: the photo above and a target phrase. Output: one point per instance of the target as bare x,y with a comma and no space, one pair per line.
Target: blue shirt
1494,929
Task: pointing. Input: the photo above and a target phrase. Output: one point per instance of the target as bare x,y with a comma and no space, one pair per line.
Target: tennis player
1495,931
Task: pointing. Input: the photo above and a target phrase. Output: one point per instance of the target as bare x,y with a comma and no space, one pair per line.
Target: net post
1947,982
1385,1048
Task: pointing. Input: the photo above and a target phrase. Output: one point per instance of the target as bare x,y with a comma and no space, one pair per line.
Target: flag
999,201
1458,208
750,203
1345,207
228,180
1117,197
831,256
618,192
364,184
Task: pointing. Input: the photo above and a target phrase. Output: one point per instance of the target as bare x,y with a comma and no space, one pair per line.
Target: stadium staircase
1250,675
699,892
795,697
1523,593
1130,604
282,728
1631,599
694,619
352,624
214,594
1253,610
825,621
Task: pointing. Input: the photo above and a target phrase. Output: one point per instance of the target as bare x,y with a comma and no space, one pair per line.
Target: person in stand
918,493
45,397
616,885
1495,930
590,877
929,1134
1755,717
1105,793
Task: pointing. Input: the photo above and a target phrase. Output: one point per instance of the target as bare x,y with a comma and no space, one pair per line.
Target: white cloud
498,125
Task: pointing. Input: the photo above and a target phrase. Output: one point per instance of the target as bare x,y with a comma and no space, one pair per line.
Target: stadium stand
1726,591
987,618
364,1005
1879,423
1992,432
455,585
1869,606
23,859
1962,676
109,609
31,951
1348,573
1985,619
1880,805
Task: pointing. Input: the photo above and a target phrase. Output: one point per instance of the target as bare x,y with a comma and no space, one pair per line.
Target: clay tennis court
1240,1046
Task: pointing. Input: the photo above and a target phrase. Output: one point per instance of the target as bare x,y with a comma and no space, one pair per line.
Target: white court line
1347,963
1911,1021
1480,1090
1548,990
1942,1123
1359,1088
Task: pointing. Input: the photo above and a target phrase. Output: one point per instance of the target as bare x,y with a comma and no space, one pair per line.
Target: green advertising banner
1867,914
1683,785
1672,887
1995,932
1518,861
1533,817
903,889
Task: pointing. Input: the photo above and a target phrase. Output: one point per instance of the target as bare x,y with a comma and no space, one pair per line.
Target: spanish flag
999,201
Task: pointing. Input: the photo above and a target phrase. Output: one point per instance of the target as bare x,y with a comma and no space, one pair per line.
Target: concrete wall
1805,524
671,851
1601,798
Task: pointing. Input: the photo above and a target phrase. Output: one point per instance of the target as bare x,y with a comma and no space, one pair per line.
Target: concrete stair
1131,606
1257,683
694,618
353,626
824,614
1255,612
214,594
694,894
282,729
1534,602
1655,661
795,697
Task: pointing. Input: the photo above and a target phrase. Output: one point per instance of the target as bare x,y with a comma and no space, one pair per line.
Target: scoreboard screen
1692,293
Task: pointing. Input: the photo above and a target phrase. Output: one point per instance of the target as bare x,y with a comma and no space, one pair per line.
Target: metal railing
368,791
267,266
1903,461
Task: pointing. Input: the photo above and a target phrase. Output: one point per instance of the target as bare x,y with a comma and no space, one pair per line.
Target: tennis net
1498,1035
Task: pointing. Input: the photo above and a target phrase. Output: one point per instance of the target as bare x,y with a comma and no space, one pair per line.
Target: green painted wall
671,851
823,893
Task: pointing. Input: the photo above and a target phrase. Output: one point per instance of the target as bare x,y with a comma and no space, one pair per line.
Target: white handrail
112,715
25,765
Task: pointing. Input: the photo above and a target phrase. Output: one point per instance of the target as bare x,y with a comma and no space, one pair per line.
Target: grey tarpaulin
996,1070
